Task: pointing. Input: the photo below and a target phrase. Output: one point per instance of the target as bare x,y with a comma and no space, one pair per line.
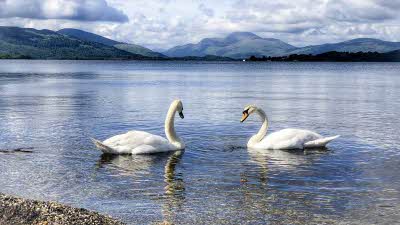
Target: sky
166,23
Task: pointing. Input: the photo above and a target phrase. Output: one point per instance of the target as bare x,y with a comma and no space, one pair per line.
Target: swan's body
140,142
291,139
283,139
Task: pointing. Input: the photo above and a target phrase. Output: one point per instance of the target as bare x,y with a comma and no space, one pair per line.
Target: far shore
332,56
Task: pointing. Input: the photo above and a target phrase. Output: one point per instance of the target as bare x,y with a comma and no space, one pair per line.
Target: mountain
355,45
18,42
87,36
235,45
246,44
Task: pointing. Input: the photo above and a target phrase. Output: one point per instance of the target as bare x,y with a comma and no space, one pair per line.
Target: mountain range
71,43
246,44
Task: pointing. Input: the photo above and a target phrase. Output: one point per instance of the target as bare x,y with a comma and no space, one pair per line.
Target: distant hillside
91,37
87,36
18,42
355,45
137,49
235,45
246,44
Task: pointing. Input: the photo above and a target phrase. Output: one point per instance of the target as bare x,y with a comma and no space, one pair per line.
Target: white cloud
205,10
166,23
83,10
359,11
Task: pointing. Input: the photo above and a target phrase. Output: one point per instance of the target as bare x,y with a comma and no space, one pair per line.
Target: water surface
56,106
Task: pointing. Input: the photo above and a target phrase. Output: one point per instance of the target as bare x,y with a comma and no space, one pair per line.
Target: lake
57,106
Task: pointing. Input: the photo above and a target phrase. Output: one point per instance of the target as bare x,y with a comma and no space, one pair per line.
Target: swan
284,139
140,142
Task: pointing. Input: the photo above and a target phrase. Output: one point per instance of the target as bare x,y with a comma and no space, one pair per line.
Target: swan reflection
174,184
289,159
130,165
174,197
138,166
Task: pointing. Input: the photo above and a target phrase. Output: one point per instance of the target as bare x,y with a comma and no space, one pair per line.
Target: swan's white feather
288,139
135,142
320,142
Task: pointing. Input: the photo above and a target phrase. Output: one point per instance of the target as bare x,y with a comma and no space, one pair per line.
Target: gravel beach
14,210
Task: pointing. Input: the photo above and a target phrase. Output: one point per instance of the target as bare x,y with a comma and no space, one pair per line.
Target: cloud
390,4
205,10
360,11
81,10
276,16
166,23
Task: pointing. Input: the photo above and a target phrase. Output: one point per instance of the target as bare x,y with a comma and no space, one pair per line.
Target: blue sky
165,23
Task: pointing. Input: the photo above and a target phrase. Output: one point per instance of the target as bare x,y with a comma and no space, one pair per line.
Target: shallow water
56,106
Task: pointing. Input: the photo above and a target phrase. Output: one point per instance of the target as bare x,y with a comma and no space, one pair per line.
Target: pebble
14,210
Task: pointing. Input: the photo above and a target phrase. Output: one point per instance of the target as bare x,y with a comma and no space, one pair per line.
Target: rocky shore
14,210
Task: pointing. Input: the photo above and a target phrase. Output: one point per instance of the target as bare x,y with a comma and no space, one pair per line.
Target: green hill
87,36
18,42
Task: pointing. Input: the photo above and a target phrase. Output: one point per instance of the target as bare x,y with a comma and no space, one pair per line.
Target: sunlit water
56,106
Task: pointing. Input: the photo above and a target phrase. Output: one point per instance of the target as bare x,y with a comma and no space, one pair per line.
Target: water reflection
17,150
287,159
174,184
139,166
174,197
275,164
127,165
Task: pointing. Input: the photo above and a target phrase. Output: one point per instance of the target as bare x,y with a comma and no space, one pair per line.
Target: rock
16,211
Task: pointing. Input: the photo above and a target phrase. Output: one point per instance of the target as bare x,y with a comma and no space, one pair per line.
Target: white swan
140,142
283,139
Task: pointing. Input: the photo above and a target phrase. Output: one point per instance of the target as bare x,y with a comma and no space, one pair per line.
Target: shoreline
16,210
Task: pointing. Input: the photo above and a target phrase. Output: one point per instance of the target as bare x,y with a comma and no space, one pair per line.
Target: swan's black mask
245,115
181,115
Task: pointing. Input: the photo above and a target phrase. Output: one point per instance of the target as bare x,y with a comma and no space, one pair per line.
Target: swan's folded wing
288,139
322,142
149,149
137,142
125,143
159,143
155,140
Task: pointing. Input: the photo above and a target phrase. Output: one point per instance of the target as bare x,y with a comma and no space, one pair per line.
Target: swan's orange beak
244,116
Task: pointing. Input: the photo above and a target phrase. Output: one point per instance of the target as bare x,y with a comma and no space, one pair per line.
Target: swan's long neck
170,128
263,130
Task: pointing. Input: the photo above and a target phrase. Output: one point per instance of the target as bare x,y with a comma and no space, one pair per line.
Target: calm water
56,106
